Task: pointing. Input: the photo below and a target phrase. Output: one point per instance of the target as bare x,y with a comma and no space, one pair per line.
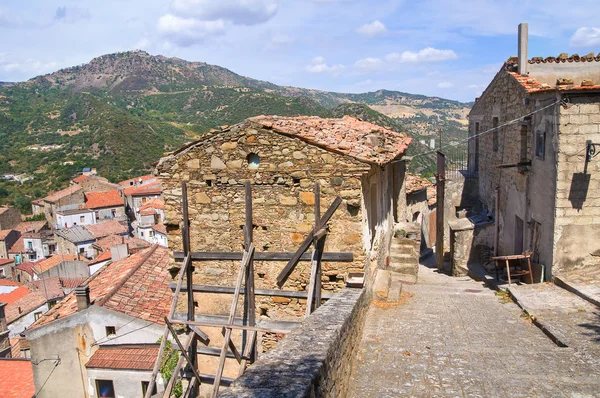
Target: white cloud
29,66
239,12
585,37
319,65
428,54
142,44
187,31
372,29
369,64
445,85
71,14
278,41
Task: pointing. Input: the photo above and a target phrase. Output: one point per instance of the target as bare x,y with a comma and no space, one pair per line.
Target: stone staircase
403,267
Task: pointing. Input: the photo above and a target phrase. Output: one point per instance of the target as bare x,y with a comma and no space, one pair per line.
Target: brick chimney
523,47
82,294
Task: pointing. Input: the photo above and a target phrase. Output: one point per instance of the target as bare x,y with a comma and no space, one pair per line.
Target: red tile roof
31,226
153,204
366,142
137,286
415,183
80,178
102,257
63,193
51,287
18,291
24,305
106,228
160,228
4,233
98,200
132,357
27,267
16,378
71,283
107,242
51,262
145,190
18,246
4,261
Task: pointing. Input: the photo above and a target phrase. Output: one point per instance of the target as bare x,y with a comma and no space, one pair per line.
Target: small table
505,261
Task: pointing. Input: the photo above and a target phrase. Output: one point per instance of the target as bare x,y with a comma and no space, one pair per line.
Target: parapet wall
315,359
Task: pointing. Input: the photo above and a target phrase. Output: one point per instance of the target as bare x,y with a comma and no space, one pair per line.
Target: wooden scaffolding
187,364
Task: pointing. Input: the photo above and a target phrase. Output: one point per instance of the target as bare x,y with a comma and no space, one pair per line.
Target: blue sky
435,47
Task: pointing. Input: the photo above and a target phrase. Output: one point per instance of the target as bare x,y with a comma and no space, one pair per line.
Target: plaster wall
127,383
67,221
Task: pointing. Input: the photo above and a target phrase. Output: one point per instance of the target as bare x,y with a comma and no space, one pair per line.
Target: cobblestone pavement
455,338
566,317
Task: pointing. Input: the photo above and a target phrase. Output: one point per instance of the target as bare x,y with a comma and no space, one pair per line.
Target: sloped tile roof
51,287
144,190
14,291
4,233
98,200
51,262
160,228
24,305
415,183
80,178
18,246
63,193
109,227
16,378
131,357
157,204
145,179
4,261
101,258
137,286
30,226
27,267
71,283
366,142
76,234
107,242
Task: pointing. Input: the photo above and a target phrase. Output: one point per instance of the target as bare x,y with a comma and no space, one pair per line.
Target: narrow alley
454,337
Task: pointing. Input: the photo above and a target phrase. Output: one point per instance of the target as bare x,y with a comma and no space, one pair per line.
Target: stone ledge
315,359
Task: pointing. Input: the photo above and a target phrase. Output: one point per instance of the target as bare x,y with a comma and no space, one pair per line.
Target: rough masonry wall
283,204
314,360
577,232
9,218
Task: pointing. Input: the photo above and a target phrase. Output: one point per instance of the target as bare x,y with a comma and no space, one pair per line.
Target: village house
24,272
7,266
149,222
9,217
137,196
33,246
8,237
62,266
75,240
283,158
69,218
5,351
112,317
537,167
106,204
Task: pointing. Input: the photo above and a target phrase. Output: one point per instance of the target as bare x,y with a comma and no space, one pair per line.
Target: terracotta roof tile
51,287
366,142
63,193
107,242
102,257
145,179
80,178
160,228
16,378
31,226
415,183
24,305
106,228
51,262
137,286
18,246
144,190
4,233
156,204
4,261
132,357
11,291
27,267
71,283
98,200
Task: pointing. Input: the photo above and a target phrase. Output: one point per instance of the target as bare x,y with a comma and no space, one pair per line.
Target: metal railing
460,163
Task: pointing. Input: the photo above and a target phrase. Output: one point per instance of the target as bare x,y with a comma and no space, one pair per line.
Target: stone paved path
454,338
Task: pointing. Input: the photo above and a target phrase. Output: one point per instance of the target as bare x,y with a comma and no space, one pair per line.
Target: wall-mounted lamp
591,150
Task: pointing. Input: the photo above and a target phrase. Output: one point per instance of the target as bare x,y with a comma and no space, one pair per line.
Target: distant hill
120,112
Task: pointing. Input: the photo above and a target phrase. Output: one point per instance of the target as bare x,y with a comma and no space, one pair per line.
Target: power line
48,378
488,131
124,334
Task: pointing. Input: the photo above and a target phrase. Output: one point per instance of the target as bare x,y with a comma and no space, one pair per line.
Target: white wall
95,267
127,383
36,245
24,322
67,221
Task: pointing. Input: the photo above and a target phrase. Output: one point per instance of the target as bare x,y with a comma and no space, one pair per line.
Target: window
37,315
81,250
150,234
144,200
141,234
82,219
113,212
110,331
524,131
105,388
30,245
145,385
253,161
540,144
495,133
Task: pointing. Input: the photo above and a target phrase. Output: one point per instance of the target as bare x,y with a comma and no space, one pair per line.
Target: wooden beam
289,267
218,321
259,292
250,347
341,257
175,374
249,293
200,334
231,326
319,247
182,348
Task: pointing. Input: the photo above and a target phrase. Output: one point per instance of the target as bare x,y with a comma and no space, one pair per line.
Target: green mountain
120,112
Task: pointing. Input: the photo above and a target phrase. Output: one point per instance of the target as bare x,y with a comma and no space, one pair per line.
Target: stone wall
315,359
9,218
283,202
577,231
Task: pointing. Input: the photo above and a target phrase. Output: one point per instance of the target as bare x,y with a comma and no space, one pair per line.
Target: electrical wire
116,330
48,378
124,334
487,131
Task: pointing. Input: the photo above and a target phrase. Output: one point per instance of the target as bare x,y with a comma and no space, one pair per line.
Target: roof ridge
115,288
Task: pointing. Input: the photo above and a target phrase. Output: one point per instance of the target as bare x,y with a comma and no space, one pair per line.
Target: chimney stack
523,44
118,252
82,294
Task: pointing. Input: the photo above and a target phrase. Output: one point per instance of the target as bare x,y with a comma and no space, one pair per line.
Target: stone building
283,157
8,237
534,163
9,217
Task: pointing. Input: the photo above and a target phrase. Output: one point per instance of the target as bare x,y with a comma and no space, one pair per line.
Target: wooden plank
233,348
231,326
190,388
218,321
210,379
341,257
163,341
200,334
311,285
512,257
319,246
250,347
318,293
249,293
182,348
175,374
238,286
258,292
289,267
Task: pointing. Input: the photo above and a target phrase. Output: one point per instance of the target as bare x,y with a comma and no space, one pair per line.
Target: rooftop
11,291
27,267
51,262
76,234
30,226
158,204
107,242
63,193
18,246
160,228
137,286
74,211
105,256
4,261
154,188
98,200
366,142
136,180
109,227
4,233
16,378
132,357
